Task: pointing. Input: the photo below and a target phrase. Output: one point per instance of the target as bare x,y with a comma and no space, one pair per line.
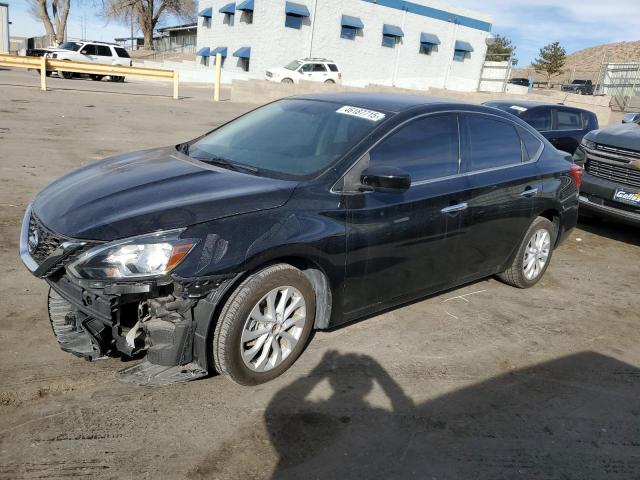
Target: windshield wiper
226,163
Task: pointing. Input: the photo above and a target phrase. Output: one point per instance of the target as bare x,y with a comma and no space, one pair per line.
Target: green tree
501,49
552,59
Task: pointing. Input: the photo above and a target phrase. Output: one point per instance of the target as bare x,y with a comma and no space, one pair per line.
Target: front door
402,244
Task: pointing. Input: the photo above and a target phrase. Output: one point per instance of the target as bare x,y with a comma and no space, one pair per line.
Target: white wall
363,60
4,29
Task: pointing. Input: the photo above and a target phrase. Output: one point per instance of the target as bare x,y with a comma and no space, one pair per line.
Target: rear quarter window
122,53
332,67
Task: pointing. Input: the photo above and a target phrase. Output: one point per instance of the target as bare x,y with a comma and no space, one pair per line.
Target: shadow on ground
577,417
610,229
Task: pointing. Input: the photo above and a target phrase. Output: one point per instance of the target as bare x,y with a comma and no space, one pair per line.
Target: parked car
563,126
309,69
523,82
225,252
93,52
611,159
631,118
581,87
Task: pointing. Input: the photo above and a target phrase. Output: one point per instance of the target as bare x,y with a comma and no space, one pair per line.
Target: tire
515,275
330,82
118,79
96,78
46,73
287,80
237,318
65,75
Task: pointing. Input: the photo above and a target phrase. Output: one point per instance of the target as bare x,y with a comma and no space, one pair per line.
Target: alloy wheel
273,329
536,254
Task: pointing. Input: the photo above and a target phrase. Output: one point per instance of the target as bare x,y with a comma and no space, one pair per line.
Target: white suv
93,52
310,69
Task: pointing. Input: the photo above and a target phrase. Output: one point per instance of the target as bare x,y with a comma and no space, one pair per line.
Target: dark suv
563,126
611,158
225,252
581,87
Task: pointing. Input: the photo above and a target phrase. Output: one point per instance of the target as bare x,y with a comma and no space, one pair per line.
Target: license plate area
628,196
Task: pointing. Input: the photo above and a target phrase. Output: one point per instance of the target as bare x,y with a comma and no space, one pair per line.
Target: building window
459,55
389,41
248,16
349,33
244,64
293,21
229,19
426,48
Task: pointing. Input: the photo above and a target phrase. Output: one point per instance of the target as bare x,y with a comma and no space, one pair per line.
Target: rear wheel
533,256
118,79
329,81
65,75
264,325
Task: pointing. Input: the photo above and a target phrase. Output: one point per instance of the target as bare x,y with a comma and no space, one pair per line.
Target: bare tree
55,24
148,13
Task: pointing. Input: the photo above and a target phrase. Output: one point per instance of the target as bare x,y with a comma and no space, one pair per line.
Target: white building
409,44
4,28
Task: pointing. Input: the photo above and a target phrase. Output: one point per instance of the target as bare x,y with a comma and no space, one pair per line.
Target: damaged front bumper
165,320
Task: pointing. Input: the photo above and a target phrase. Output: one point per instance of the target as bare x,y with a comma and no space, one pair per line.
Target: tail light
576,173
339,76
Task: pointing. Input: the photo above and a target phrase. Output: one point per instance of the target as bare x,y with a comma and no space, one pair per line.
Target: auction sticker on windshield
625,196
361,113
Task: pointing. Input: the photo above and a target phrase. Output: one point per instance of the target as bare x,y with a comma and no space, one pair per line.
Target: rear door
401,244
103,55
568,128
501,190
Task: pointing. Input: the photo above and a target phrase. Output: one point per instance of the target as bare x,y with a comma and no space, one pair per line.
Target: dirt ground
485,381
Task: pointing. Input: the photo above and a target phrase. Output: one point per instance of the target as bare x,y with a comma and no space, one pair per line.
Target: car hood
148,191
625,135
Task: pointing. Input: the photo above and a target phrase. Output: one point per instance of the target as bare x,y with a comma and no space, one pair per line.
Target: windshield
75,46
293,65
289,138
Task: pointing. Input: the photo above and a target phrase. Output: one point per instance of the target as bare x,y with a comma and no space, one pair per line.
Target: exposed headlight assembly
141,257
588,144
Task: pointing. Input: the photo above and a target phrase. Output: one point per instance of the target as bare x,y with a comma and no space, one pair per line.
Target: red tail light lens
576,172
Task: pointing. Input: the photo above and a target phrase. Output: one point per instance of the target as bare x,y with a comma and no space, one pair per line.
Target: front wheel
65,75
264,325
287,80
96,78
533,256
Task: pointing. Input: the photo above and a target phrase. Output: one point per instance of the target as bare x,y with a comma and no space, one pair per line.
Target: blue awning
392,30
221,50
244,52
229,8
246,5
296,9
429,38
353,22
204,52
463,46
207,13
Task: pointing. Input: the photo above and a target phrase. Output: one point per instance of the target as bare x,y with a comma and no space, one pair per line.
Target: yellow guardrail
43,64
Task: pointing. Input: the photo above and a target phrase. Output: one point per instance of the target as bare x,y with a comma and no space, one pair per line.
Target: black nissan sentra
224,253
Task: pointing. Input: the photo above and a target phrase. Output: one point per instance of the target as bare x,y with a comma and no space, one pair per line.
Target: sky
530,24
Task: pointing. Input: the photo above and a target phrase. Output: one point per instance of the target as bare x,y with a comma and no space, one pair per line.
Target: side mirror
385,179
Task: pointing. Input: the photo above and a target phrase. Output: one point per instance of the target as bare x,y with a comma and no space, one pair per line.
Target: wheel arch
312,269
553,215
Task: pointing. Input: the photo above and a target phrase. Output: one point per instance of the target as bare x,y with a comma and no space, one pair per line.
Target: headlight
137,257
588,144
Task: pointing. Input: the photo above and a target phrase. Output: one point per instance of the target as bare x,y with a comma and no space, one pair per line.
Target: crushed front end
155,316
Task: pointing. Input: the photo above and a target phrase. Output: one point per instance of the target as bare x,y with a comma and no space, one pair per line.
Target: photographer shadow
573,417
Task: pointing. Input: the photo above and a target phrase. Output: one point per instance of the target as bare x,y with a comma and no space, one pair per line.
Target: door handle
455,208
529,192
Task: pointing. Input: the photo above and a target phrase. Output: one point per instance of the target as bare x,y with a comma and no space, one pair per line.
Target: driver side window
88,50
426,148
306,68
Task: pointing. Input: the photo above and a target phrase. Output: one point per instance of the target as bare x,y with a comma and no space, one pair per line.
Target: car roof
528,104
390,102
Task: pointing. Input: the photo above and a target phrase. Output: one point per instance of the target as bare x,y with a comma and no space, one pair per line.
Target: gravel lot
485,381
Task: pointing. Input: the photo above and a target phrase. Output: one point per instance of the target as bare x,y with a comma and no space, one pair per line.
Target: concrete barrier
262,91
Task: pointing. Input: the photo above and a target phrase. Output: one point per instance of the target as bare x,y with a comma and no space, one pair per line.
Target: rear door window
103,51
319,67
538,118
568,119
426,148
491,143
